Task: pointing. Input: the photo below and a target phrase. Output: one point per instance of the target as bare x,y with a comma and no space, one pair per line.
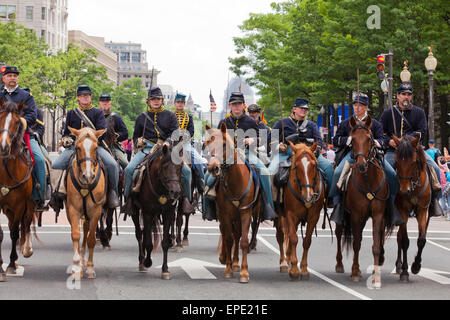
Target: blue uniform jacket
165,120
95,115
416,118
344,129
292,126
29,112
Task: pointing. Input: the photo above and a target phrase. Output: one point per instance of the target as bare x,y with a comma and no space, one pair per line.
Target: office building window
124,57
43,34
29,13
2,11
43,11
11,12
136,57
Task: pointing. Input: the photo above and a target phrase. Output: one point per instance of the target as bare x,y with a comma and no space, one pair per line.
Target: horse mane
10,107
405,150
110,134
87,133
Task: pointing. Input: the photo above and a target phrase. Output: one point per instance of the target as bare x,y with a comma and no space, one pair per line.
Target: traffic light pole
391,84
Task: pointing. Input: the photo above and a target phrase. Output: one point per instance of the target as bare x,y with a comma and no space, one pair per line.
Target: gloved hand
140,143
283,147
67,142
24,122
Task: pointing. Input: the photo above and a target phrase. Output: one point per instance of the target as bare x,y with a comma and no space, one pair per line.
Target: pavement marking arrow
431,274
196,269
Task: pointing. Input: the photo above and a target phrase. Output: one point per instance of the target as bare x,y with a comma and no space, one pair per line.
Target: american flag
213,103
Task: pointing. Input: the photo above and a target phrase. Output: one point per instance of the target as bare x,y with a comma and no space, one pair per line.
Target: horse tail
347,228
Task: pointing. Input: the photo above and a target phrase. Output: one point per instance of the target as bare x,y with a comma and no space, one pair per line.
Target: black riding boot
435,209
268,213
209,209
337,215
113,199
394,216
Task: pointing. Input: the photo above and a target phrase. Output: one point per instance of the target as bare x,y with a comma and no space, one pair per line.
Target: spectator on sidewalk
445,182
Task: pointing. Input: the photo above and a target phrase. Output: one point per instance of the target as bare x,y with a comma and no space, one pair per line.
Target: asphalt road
196,273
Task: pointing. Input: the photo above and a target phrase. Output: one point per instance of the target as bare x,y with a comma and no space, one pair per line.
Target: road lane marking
317,274
437,245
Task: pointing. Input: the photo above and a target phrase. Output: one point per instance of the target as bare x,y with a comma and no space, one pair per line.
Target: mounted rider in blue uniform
410,120
12,93
343,140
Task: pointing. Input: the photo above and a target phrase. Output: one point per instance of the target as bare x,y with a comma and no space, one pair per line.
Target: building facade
132,63
47,18
105,57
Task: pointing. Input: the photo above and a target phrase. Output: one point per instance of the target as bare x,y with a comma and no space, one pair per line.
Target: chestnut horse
414,195
86,195
304,198
237,202
366,196
157,198
16,184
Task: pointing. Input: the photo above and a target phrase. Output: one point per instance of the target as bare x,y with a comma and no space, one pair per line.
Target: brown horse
366,196
303,200
16,185
86,195
414,195
157,198
237,202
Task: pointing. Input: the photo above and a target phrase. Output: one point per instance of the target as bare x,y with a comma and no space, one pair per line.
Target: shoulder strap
161,133
84,117
404,118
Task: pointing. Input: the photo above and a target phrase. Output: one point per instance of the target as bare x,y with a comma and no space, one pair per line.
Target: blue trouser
388,169
39,170
323,163
263,174
390,157
139,157
62,162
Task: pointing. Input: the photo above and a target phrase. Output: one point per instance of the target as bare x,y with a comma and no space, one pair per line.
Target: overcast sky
190,41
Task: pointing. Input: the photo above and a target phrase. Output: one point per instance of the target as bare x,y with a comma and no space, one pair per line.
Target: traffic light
381,66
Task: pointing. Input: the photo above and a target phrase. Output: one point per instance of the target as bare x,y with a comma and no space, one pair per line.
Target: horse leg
421,241
339,265
227,245
293,222
148,242
12,267
311,224
376,249
280,239
404,243
179,223
168,220
2,272
246,218
27,250
72,216
86,226
186,231
357,238
92,225
237,233
138,234
109,224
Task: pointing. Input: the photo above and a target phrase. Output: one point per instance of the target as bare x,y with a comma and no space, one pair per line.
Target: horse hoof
11,271
142,268
186,243
228,275
339,269
415,268
398,268
243,279
376,284
165,275
356,278
294,276
284,269
91,275
236,268
107,248
3,277
404,277
27,253
179,249
304,276
147,264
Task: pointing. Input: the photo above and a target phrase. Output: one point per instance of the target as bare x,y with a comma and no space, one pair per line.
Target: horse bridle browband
372,151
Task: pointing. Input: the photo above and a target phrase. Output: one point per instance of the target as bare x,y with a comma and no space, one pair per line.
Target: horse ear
352,122
415,142
74,131
208,128
396,140
314,147
99,133
165,149
369,122
223,128
292,146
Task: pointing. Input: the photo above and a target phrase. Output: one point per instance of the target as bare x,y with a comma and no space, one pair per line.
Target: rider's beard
406,103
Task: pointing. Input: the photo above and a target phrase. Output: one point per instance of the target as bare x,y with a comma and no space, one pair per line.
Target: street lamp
405,75
431,64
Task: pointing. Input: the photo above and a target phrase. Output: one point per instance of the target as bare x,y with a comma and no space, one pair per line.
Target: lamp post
405,75
431,64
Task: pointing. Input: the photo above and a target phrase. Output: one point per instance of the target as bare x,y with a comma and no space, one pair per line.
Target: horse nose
173,195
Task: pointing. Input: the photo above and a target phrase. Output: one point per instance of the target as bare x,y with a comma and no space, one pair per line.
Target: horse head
409,161
169,172
221,148
306,167
11,127
86,153
363,145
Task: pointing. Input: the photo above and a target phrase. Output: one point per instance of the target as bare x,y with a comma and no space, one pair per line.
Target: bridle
370,157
